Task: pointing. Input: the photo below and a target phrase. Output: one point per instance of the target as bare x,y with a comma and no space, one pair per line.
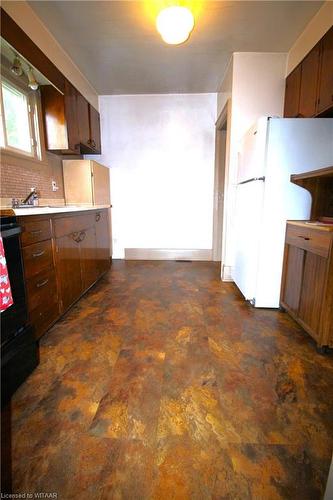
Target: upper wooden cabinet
95,129
309,81
60,119
293,87
89,126
84,126
325,98
71,123
309,87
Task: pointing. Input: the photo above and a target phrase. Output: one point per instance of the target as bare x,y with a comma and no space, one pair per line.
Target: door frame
222,134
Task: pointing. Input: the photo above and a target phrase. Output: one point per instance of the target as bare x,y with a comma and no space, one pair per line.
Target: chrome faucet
30,200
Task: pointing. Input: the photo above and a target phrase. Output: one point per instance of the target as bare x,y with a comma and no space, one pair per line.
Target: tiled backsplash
17,179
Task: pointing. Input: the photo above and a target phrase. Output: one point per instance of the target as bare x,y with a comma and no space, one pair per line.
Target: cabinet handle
38,254
42,283
93,143
82,236
37,231
304,237
97,217
75,236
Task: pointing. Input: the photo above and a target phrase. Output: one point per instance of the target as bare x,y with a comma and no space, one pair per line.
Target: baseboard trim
226,273
167,254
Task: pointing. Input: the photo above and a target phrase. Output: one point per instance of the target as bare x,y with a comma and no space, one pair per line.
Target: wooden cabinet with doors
325,85
293,86
307,281
71,124
63,256
309,83
89,126
102,221
75,254
309,87
60,119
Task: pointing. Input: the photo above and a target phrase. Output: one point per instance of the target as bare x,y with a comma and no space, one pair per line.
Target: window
19,130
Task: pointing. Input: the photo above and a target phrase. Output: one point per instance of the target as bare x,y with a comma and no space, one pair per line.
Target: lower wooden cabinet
62,263
68,270
102,241
307,283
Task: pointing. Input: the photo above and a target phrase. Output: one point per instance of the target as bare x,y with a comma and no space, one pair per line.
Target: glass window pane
16,118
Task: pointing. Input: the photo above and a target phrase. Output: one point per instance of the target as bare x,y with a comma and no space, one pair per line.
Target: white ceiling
116,46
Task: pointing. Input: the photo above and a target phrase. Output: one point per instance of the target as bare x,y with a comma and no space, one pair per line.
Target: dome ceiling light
175,24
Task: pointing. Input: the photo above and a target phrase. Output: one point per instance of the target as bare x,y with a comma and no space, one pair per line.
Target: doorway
222,140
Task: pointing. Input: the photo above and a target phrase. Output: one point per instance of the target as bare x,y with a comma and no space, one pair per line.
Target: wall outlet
54,186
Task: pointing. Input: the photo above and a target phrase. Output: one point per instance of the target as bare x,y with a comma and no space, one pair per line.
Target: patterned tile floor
162,383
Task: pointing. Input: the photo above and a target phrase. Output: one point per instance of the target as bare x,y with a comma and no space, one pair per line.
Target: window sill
8,156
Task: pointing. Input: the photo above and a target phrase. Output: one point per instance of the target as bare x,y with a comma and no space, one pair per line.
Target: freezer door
252,151
249,199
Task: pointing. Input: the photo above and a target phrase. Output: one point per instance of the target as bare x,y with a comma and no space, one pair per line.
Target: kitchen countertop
41,210
312,224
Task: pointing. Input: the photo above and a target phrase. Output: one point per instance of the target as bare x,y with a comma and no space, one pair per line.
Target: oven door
15,317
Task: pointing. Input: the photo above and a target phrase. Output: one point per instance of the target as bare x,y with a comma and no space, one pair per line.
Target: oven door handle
5,233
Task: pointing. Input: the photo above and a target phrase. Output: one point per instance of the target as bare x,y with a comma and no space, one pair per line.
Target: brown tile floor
162,383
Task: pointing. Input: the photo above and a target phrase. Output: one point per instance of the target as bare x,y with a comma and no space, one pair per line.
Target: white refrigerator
272,150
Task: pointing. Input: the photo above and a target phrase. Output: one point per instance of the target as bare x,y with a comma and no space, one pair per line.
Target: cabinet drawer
43,316
41,289
313,240
35,231
37,257
68,225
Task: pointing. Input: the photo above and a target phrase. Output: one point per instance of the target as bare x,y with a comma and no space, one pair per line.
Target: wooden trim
20,41
167,254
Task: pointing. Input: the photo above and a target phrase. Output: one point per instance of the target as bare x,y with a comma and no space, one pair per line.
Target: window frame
37,153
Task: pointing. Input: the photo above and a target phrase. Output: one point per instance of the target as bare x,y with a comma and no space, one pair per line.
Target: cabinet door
68,270
292,277
95,129
102,241
292,93
313,286
88,257
309,81
83,117
325,99
72,117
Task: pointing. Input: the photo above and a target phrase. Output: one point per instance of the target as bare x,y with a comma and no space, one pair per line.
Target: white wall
25,17
257,90
313,32
161,152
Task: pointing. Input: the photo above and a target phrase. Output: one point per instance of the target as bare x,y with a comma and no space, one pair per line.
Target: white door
249,200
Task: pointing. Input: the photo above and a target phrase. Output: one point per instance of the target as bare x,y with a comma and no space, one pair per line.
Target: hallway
162,383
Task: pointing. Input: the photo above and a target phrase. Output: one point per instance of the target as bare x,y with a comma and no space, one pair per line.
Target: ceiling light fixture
175,24
33,84
16,67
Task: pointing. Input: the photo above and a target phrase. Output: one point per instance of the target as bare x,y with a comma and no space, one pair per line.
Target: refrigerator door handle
252,180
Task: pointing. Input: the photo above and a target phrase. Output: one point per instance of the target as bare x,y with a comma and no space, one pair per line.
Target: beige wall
25,17
314,31
161,152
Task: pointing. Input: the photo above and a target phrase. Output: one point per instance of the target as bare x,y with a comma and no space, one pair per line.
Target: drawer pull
42,283
37,231
38,254
82,236
304,237
97,217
